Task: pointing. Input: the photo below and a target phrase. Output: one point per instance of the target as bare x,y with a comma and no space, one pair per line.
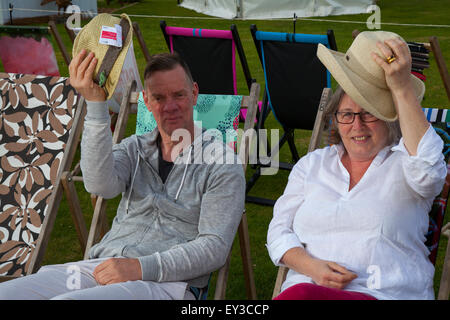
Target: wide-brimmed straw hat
88,38
362,78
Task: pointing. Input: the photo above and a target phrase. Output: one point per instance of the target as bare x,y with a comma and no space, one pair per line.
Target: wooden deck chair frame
444,287
99,224
54,31
142,44
314,143
440,61
57,193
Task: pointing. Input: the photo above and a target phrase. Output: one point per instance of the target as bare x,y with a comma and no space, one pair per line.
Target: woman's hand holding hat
81,70
412,120
396,64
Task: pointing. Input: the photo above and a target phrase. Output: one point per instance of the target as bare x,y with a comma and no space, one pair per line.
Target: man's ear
146,100
195,91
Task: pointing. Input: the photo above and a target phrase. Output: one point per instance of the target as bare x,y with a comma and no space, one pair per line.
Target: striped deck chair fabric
440,119
36,115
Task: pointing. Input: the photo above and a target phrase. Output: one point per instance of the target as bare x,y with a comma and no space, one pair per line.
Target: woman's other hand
324,273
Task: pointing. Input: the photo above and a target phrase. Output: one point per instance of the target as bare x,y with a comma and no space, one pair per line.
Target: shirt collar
378,160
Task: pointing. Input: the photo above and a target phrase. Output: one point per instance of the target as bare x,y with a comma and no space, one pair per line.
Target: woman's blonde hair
331,129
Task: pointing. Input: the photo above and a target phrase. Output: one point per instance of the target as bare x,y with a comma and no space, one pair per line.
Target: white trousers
74,281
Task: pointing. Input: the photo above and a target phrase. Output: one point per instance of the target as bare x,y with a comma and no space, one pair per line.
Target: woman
351,222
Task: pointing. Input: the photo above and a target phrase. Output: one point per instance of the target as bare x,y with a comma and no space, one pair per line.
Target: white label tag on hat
111,36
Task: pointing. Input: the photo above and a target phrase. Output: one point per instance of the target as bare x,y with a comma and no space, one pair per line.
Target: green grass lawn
64,245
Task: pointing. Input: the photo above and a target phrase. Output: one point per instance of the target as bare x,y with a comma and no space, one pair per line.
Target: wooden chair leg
75,208
222,275
440,61
244,241
281,276
58,39
222,278
444,287
7,278
93,200
138,34
96,225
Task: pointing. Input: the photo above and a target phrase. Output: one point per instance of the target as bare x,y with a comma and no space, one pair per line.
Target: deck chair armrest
446,230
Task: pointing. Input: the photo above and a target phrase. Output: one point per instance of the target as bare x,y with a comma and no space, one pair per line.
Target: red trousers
309,291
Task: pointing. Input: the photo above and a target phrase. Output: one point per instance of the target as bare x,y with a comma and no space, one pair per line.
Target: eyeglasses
347,117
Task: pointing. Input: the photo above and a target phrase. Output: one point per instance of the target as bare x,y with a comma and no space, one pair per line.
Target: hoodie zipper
158,177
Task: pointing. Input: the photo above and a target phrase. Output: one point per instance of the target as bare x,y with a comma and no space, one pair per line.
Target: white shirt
376,230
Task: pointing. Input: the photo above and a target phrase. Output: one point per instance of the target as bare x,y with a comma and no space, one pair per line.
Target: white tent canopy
272,9
33,8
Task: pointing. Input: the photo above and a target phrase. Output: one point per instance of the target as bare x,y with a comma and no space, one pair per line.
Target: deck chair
441,122
294,78
28,50
211,57
99,224
420,60
41,123
440,119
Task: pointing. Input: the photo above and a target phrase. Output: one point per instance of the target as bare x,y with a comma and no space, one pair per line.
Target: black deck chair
294,78
211,57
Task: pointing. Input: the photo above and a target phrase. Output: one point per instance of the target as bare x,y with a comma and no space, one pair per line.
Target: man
176,221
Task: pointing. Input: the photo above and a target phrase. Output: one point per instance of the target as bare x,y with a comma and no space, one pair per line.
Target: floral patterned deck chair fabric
36,115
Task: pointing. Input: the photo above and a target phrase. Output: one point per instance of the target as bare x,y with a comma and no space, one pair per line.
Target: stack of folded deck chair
420,56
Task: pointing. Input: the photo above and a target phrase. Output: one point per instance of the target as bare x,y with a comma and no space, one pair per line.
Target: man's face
170,96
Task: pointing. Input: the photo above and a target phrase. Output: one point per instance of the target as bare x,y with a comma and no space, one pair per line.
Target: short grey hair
331,124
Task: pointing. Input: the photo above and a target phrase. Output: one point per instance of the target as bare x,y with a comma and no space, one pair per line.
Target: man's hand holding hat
81,71
101,37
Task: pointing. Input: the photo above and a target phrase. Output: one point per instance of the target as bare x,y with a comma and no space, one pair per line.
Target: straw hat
362,78
88,38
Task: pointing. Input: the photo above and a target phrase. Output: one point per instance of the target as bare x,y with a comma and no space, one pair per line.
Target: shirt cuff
97,111
280,246
150,266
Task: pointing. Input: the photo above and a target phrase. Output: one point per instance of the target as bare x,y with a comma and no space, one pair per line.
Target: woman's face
362,140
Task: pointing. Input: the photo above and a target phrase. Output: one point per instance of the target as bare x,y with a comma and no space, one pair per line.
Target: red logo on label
109,35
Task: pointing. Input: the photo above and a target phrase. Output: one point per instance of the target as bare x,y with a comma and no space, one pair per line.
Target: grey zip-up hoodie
181,230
